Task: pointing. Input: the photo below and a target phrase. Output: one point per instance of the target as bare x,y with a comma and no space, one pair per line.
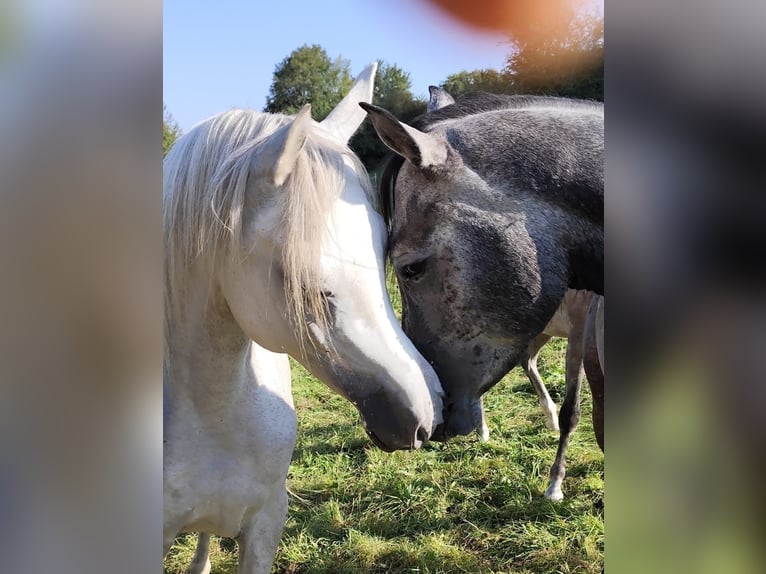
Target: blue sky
220,54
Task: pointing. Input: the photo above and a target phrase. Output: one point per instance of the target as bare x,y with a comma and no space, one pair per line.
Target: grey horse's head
498,211
438,98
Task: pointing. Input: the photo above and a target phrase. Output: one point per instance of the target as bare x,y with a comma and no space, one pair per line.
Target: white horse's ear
421,149
285,145
346,117
438,98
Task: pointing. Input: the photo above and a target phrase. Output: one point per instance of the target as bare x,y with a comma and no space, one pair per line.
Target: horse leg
170,529
569,415
167,544
200,564
594,370
259,538
482,429
599,326
529,364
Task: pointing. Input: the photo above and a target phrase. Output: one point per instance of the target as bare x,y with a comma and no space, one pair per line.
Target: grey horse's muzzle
457,422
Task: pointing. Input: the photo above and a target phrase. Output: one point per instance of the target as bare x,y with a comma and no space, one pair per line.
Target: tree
568,61
486,80
170,130
392,92
309,76
562,55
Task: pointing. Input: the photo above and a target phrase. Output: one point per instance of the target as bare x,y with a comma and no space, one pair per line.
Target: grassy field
464,506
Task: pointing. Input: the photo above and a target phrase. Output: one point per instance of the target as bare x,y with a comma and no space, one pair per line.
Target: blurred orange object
514,17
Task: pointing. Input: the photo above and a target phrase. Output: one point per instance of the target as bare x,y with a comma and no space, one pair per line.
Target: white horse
271,237
571,320
585,352
579,319
568,319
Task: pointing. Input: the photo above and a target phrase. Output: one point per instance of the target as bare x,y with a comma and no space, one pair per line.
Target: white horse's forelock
205,180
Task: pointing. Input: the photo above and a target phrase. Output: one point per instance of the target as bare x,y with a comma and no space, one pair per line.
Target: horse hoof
554,494
552,425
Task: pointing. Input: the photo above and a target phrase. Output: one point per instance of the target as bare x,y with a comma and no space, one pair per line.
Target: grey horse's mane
470,104
477,102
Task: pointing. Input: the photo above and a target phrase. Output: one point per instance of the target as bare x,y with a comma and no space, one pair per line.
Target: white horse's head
298,257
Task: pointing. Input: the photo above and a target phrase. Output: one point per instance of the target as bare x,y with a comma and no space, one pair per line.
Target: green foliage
309,76
392,92
170,130
486,80
567,62
463,506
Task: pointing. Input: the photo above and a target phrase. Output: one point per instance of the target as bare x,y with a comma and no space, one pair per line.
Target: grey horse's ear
438,98
422,149
346,117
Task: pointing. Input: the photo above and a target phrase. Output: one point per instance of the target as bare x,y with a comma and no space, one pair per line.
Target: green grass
463,506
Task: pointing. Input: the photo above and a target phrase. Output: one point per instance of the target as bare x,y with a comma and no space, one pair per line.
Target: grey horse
568,323
571,321
495,207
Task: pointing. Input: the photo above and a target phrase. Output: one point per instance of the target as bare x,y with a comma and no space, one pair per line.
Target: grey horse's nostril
422,434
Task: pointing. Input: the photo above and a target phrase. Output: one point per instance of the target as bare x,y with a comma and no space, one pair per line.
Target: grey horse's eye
413,271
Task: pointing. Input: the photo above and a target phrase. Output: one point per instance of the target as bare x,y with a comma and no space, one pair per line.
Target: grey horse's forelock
205,178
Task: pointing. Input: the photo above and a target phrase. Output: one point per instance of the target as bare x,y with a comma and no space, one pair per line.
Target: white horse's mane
205,183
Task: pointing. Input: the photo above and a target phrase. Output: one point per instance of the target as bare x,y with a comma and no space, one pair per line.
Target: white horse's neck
208,356
229,421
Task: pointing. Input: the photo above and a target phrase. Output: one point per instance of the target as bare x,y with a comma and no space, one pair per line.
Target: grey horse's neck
477,102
